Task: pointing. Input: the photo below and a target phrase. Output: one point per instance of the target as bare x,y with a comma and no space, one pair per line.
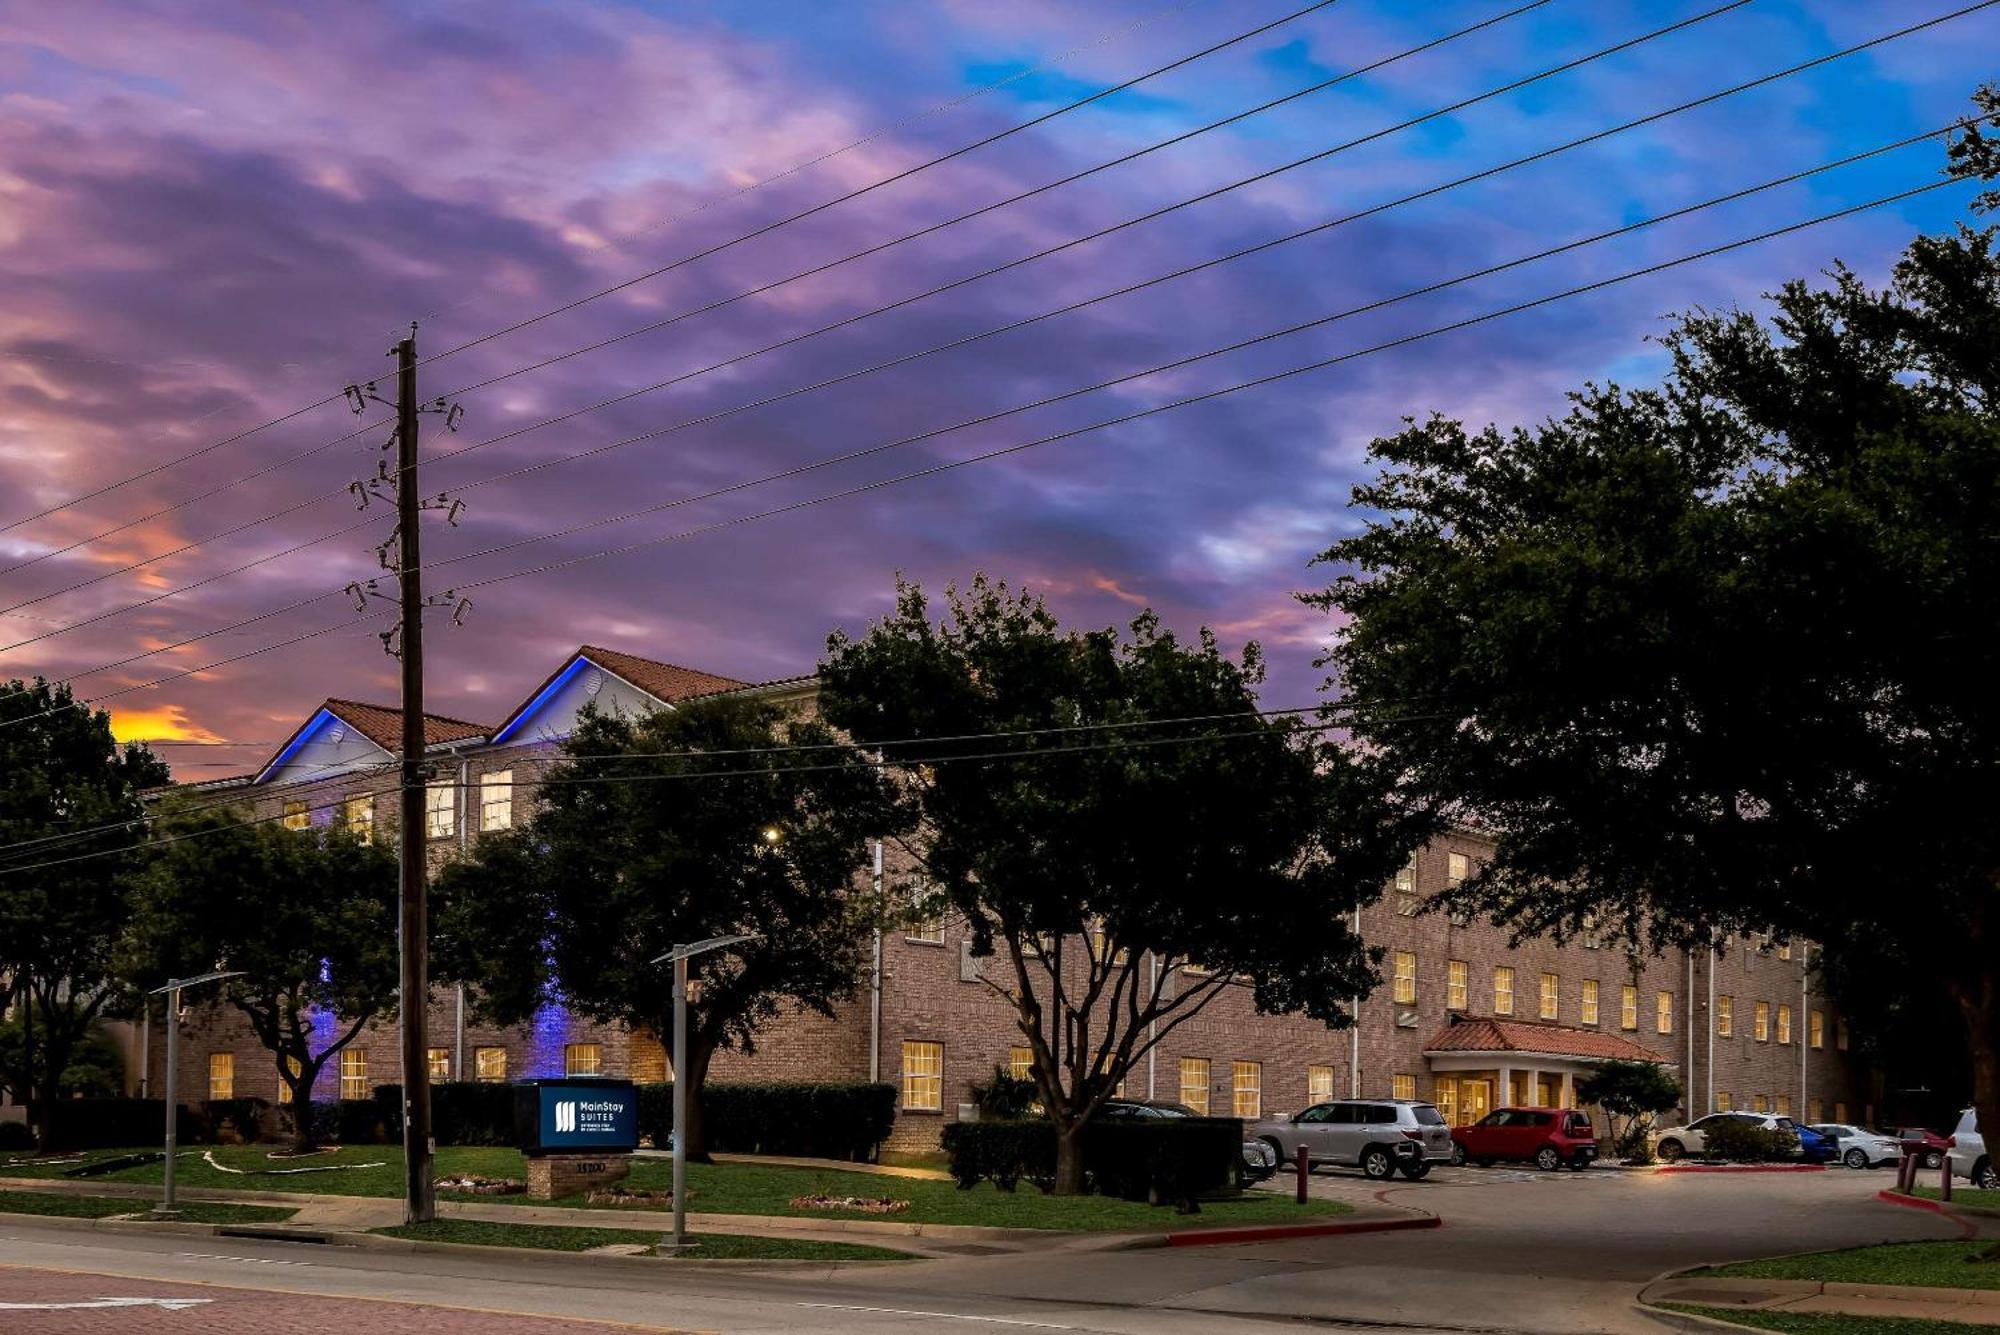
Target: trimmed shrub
1005,1097
810,1119
236,1121
1160,1160
1742,1141
1001,1152
463,1112
16,1136
351,1122
102,1124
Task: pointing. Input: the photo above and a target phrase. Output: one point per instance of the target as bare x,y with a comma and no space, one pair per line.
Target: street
1519,1252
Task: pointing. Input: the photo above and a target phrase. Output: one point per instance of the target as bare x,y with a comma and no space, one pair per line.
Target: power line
1021,447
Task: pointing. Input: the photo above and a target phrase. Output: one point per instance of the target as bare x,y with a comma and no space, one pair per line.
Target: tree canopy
1119,826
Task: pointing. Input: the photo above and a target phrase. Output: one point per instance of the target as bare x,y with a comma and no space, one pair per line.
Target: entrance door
1475,1100
1545,1093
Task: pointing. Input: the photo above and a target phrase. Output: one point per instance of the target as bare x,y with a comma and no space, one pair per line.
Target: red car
1548,1138
1934,1145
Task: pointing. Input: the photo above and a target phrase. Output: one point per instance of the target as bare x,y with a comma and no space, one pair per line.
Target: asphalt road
1520,1252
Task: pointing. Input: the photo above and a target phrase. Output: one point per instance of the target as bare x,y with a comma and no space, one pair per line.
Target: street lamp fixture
679,956
166,1209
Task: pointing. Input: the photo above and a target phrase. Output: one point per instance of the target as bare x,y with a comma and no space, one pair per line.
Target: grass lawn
1943,1265
557,1238
735,1188
101,1207
1987,1200
1805,1323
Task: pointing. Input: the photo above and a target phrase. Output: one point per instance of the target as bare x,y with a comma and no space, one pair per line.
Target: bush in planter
1740,1140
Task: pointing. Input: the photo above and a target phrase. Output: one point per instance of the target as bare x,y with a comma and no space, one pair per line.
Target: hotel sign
576,1115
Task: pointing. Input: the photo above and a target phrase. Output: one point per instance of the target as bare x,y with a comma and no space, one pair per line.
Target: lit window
353,1074
1785,951
1722,1103
1589,1007
923,1077
583,1059
1760,1103
1021,1063
1663,1012
1454,985
1457,867
1194,1083
1444,1092
926,924
1406,977
1783,1105
1628,1007
1104,949
284,1086
1784,1024
490,1063
1503,991
1551,996
222,1075
1319,1084
496,800
648,1060
1763,1029
441,810
357,815
1840,1112
1816,1029
1840,1041
1725,1017
1402,1086
1815,1111
298,816
1246,1089
1406,877
439,1061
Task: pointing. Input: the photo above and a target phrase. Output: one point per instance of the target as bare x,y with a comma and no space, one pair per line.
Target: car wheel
1855,1158
1376,1164
1578,1164
1983,1176
1284,1160
1670,1149
1933,1158
1548,1159
1457,1155
1416,1171
1483,1163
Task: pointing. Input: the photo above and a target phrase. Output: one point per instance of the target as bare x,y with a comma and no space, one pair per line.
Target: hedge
16,1136
249,1120
1745,1141
820,1120
463,1112
98,1124
1162,1160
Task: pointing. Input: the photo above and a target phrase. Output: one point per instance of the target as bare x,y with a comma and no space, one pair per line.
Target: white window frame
496,800
923,1075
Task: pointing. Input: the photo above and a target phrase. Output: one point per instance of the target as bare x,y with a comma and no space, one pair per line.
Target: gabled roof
380,724
669,683
1489,1033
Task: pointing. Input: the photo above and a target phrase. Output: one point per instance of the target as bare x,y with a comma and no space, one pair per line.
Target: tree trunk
696,1070
1069,1160
1978,999
301,1086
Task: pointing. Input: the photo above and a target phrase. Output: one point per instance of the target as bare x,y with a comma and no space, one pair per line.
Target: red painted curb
1743,1168
1914,1202
1218,1237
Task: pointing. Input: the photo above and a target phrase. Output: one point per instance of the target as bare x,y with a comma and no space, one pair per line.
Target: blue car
1814,1146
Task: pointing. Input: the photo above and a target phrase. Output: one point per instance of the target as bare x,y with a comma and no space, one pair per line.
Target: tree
308,915
1634,1091
1165,843
1717,657
69,807
713,818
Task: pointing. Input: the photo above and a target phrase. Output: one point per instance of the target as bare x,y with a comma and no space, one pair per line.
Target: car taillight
1951,1142
1413,1134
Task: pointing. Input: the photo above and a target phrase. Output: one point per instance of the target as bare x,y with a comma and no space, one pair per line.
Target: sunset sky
214,213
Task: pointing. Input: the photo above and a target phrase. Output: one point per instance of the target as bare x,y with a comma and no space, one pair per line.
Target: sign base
554,1176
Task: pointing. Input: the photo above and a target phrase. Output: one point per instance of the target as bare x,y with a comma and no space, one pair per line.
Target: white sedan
1858,1147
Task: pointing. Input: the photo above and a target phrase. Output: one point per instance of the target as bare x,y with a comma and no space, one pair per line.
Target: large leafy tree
1163,844
69,809
1717,657
308,916
714,818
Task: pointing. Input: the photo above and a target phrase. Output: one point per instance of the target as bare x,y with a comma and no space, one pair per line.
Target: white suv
1967,1155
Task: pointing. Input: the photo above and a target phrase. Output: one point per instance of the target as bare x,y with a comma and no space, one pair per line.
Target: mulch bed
858,1204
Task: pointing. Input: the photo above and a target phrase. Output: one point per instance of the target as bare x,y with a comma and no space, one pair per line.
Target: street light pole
679,957
166,1208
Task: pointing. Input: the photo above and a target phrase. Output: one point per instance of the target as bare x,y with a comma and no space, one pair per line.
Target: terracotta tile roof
383,724
1485,1033
666,682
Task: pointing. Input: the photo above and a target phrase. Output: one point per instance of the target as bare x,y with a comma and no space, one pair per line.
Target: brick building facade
1464,1016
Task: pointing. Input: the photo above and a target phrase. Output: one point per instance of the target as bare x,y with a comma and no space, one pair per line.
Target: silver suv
1378,1136
1967,1155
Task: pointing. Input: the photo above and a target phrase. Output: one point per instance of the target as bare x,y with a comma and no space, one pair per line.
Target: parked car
1381,1137
1548,1138
1967,1152
1814,1146
1934,1145
1259,1160
1858,1147
1674,1142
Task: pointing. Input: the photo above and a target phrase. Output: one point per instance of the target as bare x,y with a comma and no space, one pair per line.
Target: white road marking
170,1304
941,1316
241,1260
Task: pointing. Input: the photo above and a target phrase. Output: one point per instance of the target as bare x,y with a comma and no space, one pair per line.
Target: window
222,1075
1784,1024
1457,867
1840,1112
439,1061
648,1060
1760,1103
1840,1034
496,800
1194,1083
1722,1103
1725,1017
1815,1111
1589,1007
1106,950
357,815
1816,1029
490,1063
440,811
298,816
1503,991
1406,977
923,1077
1402,1086
583,1059
284,1086
1593,935
1454,985
927,924
1783,1105
1021,1063
1319,1084
1762,1032
1663,1013
1246,1088
1444,1092
1628,1007
1407,900
1785,951
1551,996
353,1074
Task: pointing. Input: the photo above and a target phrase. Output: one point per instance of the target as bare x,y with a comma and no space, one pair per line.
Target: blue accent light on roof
542,697
313,728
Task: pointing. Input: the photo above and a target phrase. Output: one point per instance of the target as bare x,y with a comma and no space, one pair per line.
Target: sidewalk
1978,1307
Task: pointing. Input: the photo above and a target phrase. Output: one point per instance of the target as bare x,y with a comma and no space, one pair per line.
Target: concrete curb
1223,1237
1742,1168
1691,1321
1895,1197
378,1242
180,1226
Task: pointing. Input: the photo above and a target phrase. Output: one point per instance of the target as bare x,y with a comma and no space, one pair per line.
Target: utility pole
405,641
